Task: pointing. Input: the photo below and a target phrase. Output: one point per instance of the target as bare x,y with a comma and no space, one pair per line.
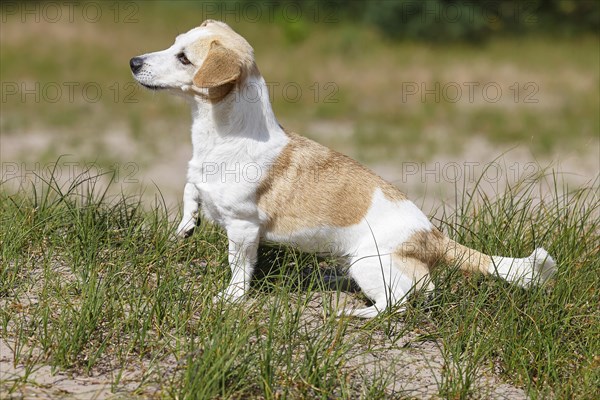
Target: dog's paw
366,313
185,229
543,266
535,270
232,294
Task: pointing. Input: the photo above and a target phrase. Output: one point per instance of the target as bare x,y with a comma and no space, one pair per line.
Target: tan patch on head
221,66
228,59
311,186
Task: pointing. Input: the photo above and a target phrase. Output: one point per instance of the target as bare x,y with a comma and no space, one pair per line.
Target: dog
259,181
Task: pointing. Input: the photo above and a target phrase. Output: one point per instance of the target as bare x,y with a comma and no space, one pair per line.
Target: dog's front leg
191,198
243,239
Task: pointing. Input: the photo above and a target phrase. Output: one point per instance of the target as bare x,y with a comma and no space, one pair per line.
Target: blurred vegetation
443,20
351,61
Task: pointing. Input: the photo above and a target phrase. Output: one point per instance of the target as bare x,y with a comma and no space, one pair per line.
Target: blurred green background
407,87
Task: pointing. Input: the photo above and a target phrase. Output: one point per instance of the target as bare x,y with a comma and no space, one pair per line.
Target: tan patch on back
311,186
391,192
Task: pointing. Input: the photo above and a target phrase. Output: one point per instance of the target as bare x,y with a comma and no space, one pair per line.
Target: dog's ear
221,66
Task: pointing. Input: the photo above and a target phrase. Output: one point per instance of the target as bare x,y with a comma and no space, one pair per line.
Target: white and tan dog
260,182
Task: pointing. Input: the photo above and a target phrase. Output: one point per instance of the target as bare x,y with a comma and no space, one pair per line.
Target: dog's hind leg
383,280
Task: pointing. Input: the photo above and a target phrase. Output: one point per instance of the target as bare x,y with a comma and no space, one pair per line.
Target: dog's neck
245,114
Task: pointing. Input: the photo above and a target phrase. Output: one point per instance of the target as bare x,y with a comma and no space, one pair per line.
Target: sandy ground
43,382
413,365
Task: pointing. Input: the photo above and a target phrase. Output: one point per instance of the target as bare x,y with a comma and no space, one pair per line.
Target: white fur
538,268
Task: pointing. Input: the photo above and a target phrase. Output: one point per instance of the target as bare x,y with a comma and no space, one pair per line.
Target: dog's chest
227,174
223,206
224,192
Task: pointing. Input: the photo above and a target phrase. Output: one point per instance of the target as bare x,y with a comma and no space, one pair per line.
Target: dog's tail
535,269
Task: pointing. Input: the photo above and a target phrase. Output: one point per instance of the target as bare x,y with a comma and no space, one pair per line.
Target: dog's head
208,60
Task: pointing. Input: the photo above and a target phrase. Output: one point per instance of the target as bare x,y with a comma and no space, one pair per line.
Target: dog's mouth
153,87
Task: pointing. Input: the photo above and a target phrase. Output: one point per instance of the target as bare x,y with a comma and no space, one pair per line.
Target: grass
96,285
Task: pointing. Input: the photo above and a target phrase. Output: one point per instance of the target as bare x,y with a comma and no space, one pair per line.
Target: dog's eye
183,59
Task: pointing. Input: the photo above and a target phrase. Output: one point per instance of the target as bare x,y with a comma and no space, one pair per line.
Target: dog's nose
136,63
